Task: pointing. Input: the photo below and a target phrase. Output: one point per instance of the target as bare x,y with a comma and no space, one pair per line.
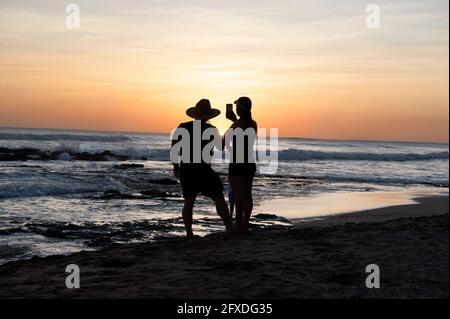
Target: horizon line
162,133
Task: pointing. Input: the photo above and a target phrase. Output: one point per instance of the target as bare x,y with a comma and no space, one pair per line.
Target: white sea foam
308,155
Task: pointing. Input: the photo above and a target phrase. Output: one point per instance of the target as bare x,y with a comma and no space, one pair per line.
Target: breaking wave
306,155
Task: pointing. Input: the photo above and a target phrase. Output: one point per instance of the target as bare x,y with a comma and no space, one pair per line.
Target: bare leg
248,204
224,213
231,208
231,200
187,215
236,183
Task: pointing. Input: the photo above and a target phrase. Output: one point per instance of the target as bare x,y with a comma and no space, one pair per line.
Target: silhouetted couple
193,145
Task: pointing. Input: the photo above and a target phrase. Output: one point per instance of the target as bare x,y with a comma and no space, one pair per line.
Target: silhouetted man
191,155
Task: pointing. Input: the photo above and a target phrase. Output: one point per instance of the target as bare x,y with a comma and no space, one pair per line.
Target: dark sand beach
319,259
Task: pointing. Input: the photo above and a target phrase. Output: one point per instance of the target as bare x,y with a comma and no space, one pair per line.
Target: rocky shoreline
26,154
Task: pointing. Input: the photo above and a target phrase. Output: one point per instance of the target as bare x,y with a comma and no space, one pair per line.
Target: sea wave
310,179
160,154
62,137
384,180
32,190
73,151
308,155
68,152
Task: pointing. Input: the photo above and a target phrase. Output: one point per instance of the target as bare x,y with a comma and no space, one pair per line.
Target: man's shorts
200,179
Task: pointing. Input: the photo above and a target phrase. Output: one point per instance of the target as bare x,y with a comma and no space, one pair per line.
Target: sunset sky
312,68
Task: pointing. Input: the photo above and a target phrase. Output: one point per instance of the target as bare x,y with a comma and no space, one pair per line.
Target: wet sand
422,206
410,244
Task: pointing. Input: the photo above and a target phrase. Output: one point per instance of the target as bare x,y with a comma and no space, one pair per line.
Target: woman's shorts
242,169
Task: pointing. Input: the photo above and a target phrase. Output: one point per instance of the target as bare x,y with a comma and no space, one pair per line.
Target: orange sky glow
312,68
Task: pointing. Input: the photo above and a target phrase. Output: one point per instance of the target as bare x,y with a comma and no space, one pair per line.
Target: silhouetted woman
242,167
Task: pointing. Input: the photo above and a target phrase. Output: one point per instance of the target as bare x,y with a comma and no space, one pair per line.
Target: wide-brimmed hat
202,110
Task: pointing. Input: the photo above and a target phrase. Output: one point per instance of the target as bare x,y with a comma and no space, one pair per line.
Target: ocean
65,191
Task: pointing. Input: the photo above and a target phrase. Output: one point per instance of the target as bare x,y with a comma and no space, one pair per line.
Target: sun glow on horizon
222,125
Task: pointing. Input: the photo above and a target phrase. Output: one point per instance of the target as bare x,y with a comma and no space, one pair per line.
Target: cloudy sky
312,68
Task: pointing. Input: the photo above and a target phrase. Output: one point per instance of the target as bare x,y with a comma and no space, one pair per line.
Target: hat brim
192,112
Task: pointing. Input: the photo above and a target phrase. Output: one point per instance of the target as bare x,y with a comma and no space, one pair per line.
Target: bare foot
190,235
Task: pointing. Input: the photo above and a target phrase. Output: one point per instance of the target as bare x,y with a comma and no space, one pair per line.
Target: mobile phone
229,108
